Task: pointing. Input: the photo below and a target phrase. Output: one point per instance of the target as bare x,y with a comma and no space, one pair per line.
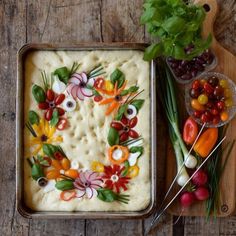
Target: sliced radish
133,158
87,92
131,112
79,94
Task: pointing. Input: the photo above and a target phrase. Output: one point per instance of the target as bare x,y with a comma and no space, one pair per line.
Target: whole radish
201,193
200,178
187,199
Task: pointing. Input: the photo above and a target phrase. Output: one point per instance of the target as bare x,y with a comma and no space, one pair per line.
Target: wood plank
13,35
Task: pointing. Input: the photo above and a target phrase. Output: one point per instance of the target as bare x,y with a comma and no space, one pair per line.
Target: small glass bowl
199,74
231,110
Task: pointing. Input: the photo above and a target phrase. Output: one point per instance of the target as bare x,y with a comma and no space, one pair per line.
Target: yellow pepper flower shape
45,134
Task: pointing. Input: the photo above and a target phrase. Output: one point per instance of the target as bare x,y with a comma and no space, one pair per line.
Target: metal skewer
157,216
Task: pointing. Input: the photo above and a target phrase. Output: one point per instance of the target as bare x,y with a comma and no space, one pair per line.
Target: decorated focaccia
87,131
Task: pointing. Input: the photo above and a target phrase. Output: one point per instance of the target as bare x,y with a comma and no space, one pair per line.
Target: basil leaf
148,15
121,111
153,51
33,118
63,74
113,137
138,103
117,76
37,171
49,149
125,171
64,185
38,93
55,118
43,161
124,92
133,89
174,25
106,195
136,149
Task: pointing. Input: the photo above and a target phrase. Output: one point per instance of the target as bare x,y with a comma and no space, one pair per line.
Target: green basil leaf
55,118
138,103
148,15
37,171
113,137
174,25
43,161
106,195
63,74
121,111
49,149
64,185
117,76
124,92
153,51
136,149
125,171
33,118
38,93
133,89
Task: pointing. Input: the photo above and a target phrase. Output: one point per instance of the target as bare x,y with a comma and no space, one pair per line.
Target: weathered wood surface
83,21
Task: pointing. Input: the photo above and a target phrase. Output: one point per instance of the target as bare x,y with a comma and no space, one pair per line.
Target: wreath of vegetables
51,167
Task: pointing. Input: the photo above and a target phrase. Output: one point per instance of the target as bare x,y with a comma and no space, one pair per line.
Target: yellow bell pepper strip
97,166
133,171
206,142
118,154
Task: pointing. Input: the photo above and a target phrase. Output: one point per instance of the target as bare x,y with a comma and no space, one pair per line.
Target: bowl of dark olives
186,71
211,99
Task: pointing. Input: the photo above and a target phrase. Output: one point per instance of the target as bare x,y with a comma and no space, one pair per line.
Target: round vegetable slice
118,154
190,131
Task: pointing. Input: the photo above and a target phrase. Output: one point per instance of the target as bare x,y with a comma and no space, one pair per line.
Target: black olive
42,182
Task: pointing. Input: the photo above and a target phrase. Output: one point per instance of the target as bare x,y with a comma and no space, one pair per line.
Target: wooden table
25,21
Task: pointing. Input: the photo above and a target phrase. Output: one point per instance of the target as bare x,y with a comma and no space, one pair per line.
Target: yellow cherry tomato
227,93
97,166
229,102
72,173
133,171
224,83
224,116
56,164
202,81
53,174
65,163
196,105
108,85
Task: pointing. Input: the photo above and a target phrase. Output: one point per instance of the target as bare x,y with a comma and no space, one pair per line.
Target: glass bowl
230,110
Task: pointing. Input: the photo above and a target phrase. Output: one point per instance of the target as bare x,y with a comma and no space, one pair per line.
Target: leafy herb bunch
177,26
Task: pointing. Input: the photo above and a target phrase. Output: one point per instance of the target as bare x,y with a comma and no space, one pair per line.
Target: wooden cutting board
226,65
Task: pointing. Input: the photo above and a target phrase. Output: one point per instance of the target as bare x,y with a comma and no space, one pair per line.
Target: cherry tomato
227,93
56,164
224,83
116,125
196,105
229,102
208,88
190,131
65,163
99,83
220,105
43,105
48,114
197,114
62,123
196,84
97,98
214,111
209,115
124,136
133,122
224,116
213,81
202,99
58,156
61,111
204,118
50,95
194,93
47,161
72,173
133,134
59,99
210,105
216,120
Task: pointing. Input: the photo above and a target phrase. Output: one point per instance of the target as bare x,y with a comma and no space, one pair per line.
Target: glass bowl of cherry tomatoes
211,99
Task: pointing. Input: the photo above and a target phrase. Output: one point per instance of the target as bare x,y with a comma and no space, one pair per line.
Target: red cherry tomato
62,123
50,95
99,83
97,98
48,114
220,105
61,111
58,156
196,84
190,131
208,88
43,105
59,99
197,114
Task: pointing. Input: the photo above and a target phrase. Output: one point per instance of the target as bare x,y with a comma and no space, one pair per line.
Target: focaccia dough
86,138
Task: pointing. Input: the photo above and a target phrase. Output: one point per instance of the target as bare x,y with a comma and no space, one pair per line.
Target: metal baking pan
20,205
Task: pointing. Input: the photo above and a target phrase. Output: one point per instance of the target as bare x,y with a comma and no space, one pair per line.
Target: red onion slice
84,77
80,94
91,82
87,92
74,91
80,193
74,80
77,76
89,192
